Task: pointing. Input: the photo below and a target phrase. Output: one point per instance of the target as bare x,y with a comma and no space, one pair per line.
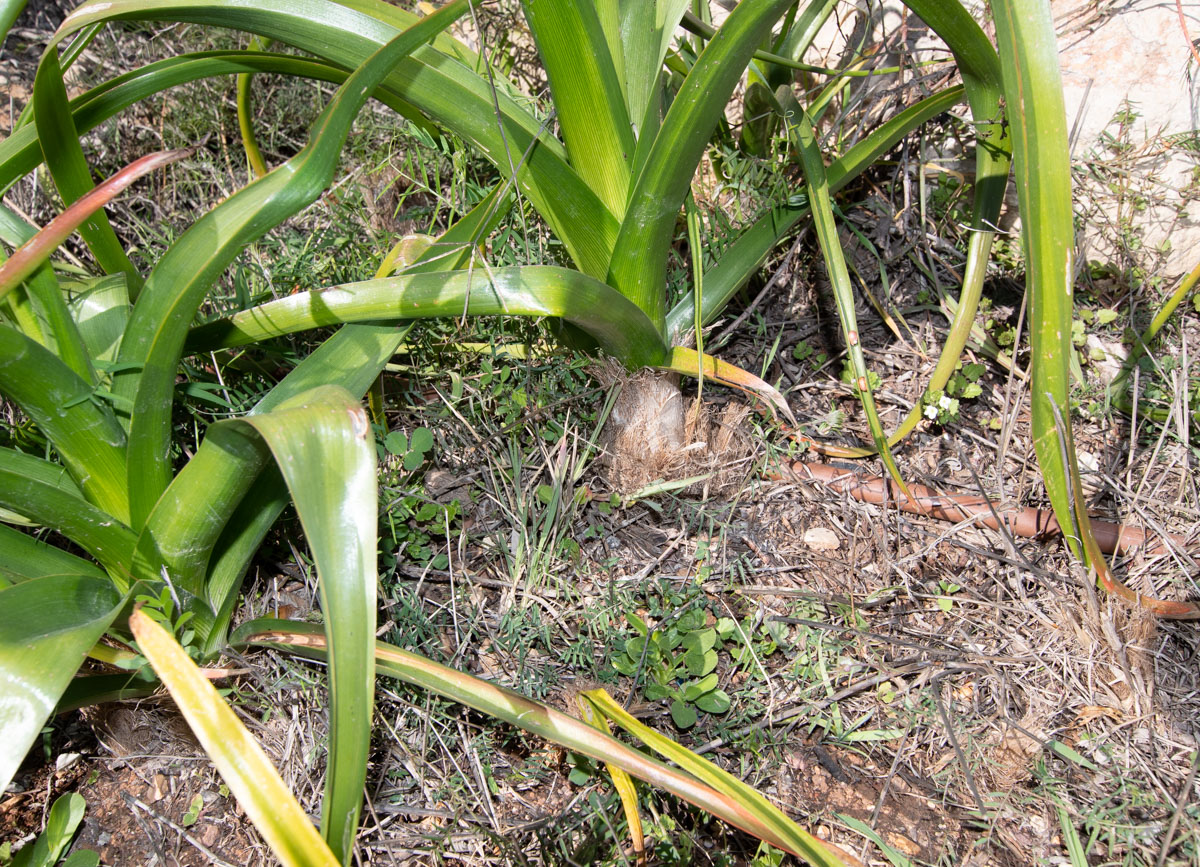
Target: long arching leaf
639,260
587,95
645,35
21,152
45,494
27,557
322,443
436,83
68,166
179,283
1033,91
201,531
84,432
616,323
1033,94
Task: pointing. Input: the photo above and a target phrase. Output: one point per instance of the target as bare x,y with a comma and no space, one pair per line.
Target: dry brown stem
1026,522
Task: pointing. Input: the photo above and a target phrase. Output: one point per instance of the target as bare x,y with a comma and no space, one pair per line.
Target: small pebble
821,539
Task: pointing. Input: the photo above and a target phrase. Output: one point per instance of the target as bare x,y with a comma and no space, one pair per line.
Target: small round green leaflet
412,450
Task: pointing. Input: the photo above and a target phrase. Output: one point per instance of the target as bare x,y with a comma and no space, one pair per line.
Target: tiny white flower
944,402
931,411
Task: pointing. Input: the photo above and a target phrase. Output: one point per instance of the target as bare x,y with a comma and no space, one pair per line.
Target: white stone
821,539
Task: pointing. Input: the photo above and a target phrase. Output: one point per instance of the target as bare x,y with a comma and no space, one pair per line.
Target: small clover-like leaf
704,639
700,662
421,440
682,714
697,688
635,646
193,811
716,701
624,665
655,691
396,443
668,639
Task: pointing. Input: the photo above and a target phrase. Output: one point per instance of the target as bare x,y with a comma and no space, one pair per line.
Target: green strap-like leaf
795,42
45,494
199,525
639,261
235,549
536,290
323,445
254,157
9,10
646,32
977,60
980,68
89,690
453,94
587,95
23,557
83,430
835,266
1034,98
21,153
182,277
1033,90
446,43
68,166
187,519
47,626
198,507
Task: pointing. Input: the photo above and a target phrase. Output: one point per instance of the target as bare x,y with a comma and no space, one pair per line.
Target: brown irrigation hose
1026,522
